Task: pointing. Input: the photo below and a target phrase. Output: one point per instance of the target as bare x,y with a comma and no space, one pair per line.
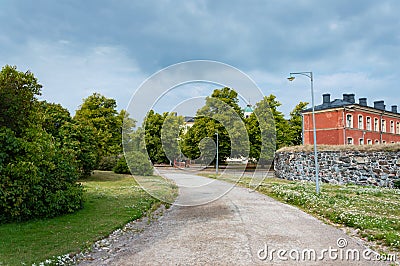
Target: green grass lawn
373,211
111,201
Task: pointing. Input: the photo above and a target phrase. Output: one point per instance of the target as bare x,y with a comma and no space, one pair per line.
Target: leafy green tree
161,134
37,176
54,117
261,128
296,124
100,113
281,124
18,105
223,115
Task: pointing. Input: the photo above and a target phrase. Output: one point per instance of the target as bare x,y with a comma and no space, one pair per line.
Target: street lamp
310,76
216,162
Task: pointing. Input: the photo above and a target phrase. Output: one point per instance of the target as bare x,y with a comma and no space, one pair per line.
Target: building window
383,126
350,141
398,127
360,122
349,121
369,142
392,127
361,141
376,141
376,124
383,141
368,123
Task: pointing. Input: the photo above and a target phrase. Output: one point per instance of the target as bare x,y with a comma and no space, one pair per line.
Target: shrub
121,167
37,179
108,163
139,163
396,184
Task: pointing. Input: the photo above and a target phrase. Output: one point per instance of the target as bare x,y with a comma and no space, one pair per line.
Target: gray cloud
350,45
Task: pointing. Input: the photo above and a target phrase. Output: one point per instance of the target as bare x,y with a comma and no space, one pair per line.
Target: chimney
345,97
363,101
326,99
394,109
350,98
379,105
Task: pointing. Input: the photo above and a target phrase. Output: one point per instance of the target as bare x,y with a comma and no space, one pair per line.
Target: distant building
248,110
343,121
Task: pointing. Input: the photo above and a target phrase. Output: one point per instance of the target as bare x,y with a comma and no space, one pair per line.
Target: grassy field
373,212
111,201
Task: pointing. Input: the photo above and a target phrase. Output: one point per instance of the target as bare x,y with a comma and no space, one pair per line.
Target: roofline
355,105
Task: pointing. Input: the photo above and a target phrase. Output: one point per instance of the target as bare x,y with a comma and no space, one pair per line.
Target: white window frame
361,141
398,127
349,122
376,124
369,141
360,122
392,127
383,125
350,141
368,122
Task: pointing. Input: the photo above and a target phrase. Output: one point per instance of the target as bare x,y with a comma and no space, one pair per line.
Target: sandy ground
242,227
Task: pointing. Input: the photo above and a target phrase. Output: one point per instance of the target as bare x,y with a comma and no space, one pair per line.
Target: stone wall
340,167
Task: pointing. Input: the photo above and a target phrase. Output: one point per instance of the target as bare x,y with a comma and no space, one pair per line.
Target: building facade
345,122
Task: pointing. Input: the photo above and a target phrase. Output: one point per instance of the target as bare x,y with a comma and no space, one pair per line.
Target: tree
37,176
100,113
296,124
18,105
281,124
54,117
221,114
261,127
161,134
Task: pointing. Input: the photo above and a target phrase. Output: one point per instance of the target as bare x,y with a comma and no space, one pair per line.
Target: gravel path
240,228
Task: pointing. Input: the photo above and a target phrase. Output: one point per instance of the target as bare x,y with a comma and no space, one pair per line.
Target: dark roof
334,104
189,119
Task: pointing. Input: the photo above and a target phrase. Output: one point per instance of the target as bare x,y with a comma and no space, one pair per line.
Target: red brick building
343,121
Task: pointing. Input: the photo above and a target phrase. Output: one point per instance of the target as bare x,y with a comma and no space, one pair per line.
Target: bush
396,184
139,163
108,163
121,167
37,179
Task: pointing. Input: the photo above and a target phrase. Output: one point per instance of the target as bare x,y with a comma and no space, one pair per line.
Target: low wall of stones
340,167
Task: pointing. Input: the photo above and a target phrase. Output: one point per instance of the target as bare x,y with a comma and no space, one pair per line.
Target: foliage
100,113
139,163
396,184
121,167
261,128
107,163
54,117
221,114
161,134
18,105
80,139
112,201
37,176
296,124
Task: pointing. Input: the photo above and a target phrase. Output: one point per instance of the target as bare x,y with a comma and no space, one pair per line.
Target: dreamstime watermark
340,252
191,76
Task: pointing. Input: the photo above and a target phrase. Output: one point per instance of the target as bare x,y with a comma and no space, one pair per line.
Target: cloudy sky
79,47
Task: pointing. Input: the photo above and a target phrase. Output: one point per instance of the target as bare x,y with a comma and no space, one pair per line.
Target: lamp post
310,76
216,161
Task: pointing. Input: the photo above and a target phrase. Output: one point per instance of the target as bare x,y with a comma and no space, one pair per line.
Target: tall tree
100,113
161,134
221,114
18,104
37,176
296,124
